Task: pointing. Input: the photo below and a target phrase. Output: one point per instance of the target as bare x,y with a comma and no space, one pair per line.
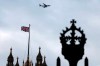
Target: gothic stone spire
10,59
44,63
17,63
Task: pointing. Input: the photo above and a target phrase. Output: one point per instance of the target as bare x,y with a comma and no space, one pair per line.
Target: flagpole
28,42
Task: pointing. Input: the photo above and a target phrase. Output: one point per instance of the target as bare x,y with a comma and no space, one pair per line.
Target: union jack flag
26,29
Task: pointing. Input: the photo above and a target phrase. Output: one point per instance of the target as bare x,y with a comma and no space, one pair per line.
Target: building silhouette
72,51
40,61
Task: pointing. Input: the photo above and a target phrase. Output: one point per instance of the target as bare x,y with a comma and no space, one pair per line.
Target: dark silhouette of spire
86,61
23,62
44,63
39,58
58,62
32,63
10,59
10,50
17,63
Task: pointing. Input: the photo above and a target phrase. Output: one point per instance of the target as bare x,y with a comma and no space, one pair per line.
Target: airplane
44,5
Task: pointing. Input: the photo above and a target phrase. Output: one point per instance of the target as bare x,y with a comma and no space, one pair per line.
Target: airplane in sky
44,5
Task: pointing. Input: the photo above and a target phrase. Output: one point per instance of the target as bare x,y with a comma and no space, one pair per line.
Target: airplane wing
44,4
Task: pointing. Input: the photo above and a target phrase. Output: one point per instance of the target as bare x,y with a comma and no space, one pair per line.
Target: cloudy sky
46,25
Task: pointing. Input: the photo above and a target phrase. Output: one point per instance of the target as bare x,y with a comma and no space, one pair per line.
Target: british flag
24,28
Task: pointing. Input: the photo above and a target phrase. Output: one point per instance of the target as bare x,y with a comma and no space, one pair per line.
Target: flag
26,29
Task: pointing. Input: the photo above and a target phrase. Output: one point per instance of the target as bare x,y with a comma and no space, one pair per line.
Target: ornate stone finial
11,50
39,49
44,58
44,63
86,61
58,62
73,21
72,51
17,58
32,63
17,64
23,62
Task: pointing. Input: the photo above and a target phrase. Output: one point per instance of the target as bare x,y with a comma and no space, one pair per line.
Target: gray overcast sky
46,25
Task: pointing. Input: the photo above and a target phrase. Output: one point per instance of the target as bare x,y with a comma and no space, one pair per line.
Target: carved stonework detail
72,51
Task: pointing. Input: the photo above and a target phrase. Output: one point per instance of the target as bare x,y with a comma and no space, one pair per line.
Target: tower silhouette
10,59
28,62
44,63
39,58
17,63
